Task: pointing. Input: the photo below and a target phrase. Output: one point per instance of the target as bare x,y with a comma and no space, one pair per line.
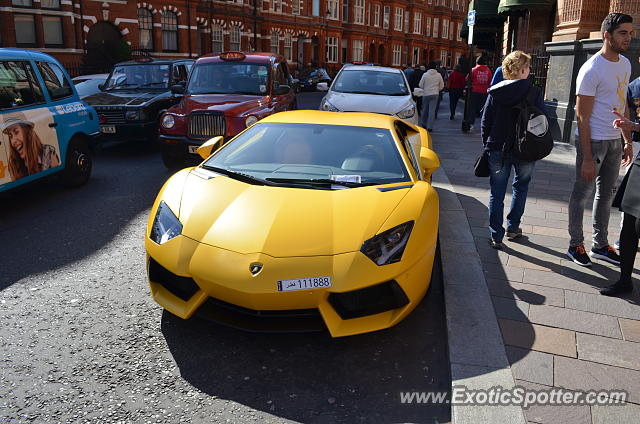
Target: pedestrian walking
497,76
480,80
498,132
443,73
417,76
601,89
432,83
455,84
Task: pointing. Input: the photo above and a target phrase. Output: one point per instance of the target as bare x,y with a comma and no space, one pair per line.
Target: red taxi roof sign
232,56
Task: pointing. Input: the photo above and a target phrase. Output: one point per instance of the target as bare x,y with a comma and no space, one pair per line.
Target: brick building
98,33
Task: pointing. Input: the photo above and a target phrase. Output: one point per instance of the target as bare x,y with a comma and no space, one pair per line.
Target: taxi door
282,101
29,145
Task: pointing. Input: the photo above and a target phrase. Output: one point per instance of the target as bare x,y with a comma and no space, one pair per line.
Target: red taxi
225,94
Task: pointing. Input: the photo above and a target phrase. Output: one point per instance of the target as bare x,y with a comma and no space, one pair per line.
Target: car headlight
168,121
165,225
251,119
132,115
328,107
387,247
407,112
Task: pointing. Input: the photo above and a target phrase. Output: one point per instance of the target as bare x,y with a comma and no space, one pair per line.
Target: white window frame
458,37
427,27
386,17
332,49
235,38
397,55
436,27
357,55
443,57
332,10
398,17
358,12
217,38
417,23
295,7
445,28
376,16
415,56
288,47
451,29
275,42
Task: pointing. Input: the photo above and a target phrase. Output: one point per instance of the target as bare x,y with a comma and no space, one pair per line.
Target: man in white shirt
601,89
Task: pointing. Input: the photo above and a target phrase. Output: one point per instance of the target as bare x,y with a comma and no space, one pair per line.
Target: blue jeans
428,111
498,180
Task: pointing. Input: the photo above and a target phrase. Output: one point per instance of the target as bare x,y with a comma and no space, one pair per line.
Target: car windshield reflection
139,76
371,82
229,78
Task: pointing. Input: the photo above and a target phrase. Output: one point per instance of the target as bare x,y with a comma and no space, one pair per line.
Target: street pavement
82,341
557,330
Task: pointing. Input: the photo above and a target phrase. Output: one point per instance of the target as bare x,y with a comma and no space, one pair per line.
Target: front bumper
131,131
217,281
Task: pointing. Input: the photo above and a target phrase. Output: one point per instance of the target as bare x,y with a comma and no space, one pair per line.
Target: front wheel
78,164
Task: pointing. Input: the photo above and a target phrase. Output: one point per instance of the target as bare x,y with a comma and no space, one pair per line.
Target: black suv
135,95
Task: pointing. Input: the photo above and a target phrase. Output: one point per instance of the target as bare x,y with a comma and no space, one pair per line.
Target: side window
179,73
279,77
403,134
18,85
57,84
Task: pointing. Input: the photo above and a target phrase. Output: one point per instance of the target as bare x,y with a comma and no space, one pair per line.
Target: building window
358,12
216,38
275,42
397,19
415,58
52,29
332,9
295,7
445,29
443,57
417,23
397,55
427,27
332,49
145,29
436,24
50,4
458,33
430,2
169,31
458,56
287,47
385,18
25,30
369,14
234,39
27,3
451,29
376,15
345,10
358,50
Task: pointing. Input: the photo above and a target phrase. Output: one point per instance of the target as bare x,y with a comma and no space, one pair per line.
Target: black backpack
533,140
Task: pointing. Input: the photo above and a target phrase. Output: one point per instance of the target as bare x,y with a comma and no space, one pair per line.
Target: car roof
153,61
354,119
24,54
370,68
255,57
90,76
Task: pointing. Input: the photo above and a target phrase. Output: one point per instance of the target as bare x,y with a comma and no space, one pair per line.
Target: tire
172,157
79,163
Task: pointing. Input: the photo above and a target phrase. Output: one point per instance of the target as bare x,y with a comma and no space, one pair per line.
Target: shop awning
488,23
507,6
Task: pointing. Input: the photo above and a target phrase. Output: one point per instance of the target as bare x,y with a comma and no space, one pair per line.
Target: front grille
369,300
112,116
206,125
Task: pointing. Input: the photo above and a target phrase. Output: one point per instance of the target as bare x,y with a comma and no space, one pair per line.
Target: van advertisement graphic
28,144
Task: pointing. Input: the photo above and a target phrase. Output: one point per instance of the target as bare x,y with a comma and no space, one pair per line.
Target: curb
477,354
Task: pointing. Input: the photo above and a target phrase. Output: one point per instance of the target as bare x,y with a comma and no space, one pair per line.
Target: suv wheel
78,164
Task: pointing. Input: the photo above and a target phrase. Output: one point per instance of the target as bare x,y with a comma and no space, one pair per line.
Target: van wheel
172,157
78,164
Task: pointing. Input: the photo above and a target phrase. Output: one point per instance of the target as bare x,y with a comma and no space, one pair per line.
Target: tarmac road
82,341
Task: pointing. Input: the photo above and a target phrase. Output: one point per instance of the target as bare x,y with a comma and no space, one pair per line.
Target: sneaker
607,253
579,255
495,244
617,288
451,118
514,234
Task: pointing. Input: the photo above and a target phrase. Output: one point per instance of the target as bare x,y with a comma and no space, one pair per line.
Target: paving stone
538,337
630,329
503,272
490,255
534,264
552,279
554,414
470,273
510,308
530,365
548,241
581,375
615,414
529,293
558,216
604,350
549,231
603,305
570,319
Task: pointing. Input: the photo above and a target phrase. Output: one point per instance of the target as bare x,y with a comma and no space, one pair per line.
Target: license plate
108,129
304,284
193,149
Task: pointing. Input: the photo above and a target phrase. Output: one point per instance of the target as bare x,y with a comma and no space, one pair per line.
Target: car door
29,142
285,101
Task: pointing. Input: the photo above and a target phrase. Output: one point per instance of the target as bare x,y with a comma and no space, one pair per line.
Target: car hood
124,98
231,104
282,221
347,102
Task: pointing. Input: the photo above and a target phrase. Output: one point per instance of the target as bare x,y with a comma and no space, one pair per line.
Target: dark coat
499,116
628,196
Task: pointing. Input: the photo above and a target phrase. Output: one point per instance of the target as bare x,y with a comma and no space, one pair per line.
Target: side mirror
177,89
210,146
281,89
322,86
429,161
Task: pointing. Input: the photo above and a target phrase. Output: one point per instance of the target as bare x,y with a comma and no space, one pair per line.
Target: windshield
371,82
313,153
139,76
229,78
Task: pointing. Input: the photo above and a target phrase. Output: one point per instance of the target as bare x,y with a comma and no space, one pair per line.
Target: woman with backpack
498,131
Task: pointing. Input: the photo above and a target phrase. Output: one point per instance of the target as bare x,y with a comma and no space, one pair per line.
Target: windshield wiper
240,176
322,181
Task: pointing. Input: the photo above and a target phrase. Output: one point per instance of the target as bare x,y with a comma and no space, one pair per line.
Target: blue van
45,128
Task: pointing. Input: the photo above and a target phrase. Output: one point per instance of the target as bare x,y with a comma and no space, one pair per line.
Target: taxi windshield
371,82
229,78
313,154
139,76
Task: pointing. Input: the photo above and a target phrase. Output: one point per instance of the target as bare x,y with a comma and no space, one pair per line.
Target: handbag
481,167
418,92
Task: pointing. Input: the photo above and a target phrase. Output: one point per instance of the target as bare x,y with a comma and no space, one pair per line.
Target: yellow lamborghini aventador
306,220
